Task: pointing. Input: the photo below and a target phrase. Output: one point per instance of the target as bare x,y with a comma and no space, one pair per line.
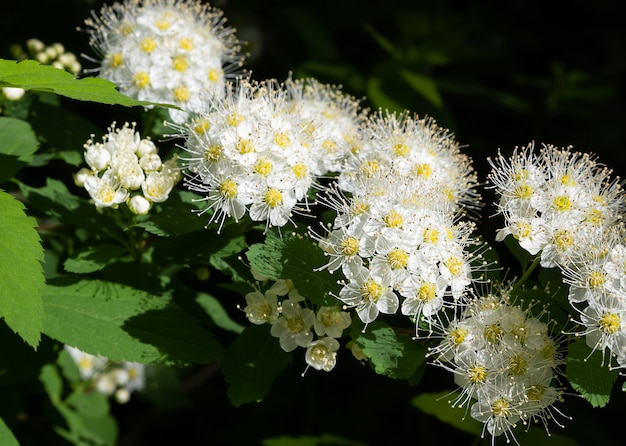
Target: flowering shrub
237,230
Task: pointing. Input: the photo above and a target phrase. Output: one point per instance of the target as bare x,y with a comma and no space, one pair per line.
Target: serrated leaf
124,324
93,258
391,355
252,363
18,143
298,259
21,272
31,75
438,405
588,376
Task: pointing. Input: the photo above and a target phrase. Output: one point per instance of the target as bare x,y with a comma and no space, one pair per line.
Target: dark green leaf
216,311
18,143
6,436
438,405
252,363
93,258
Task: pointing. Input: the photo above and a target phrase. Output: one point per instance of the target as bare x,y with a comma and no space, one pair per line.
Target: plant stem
526,274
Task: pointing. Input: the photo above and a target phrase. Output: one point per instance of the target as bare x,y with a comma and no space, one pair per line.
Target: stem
527,273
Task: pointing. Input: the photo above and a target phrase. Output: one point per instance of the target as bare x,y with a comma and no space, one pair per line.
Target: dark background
506,73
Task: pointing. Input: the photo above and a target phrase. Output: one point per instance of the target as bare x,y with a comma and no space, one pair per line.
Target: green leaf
93,258
31,75
21,272
438,405
89,404
588,375
423,85
296,258
377,95
395,356
252,363
18,143
214,308
137,326
6,436
30,362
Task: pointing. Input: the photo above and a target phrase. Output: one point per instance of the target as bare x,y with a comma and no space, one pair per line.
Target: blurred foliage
497,75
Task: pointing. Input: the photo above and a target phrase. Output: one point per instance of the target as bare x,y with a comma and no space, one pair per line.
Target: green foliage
299,259
18,143
588,373
22,280
31,75
139,327
438,405
251,364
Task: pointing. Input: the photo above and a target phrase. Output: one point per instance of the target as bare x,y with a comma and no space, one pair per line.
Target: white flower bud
35,45
122,396
81,176
150,162
13,93
139,205
145,147
105,384
97,156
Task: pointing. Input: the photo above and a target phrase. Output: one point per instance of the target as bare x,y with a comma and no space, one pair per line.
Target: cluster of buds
112,378
124,168
54,55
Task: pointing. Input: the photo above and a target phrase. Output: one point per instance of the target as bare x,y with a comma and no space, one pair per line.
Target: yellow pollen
371,290
148,45
331,318
115,60
142,79
214,75
397,258
401,149
423,170
201,126
501,408
493,333
458,335
454,265
329,114
349,246
518,365
164,22
596,279
228,189
180,63
427,292
567,180
359,207
562,202
523,229
126,29
523,191
295,324
273,198
477,374
263,167
182,94
431,235
186,43
393,219
449,194
563,239
609,323
520,175
282,139
85,363
234,119
213,152
329,146
595,217
244,146
370,167
536,392
548,350
299,170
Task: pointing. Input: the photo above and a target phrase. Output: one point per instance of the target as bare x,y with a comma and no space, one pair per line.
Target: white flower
331,321
369,295
322,354
261,308
293,327
105,191
139,205
157,186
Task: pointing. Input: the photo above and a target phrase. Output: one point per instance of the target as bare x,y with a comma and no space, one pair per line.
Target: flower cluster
112,378
296,325
54,55
397,228
566,207
262,147
167,51
124,168
504,362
